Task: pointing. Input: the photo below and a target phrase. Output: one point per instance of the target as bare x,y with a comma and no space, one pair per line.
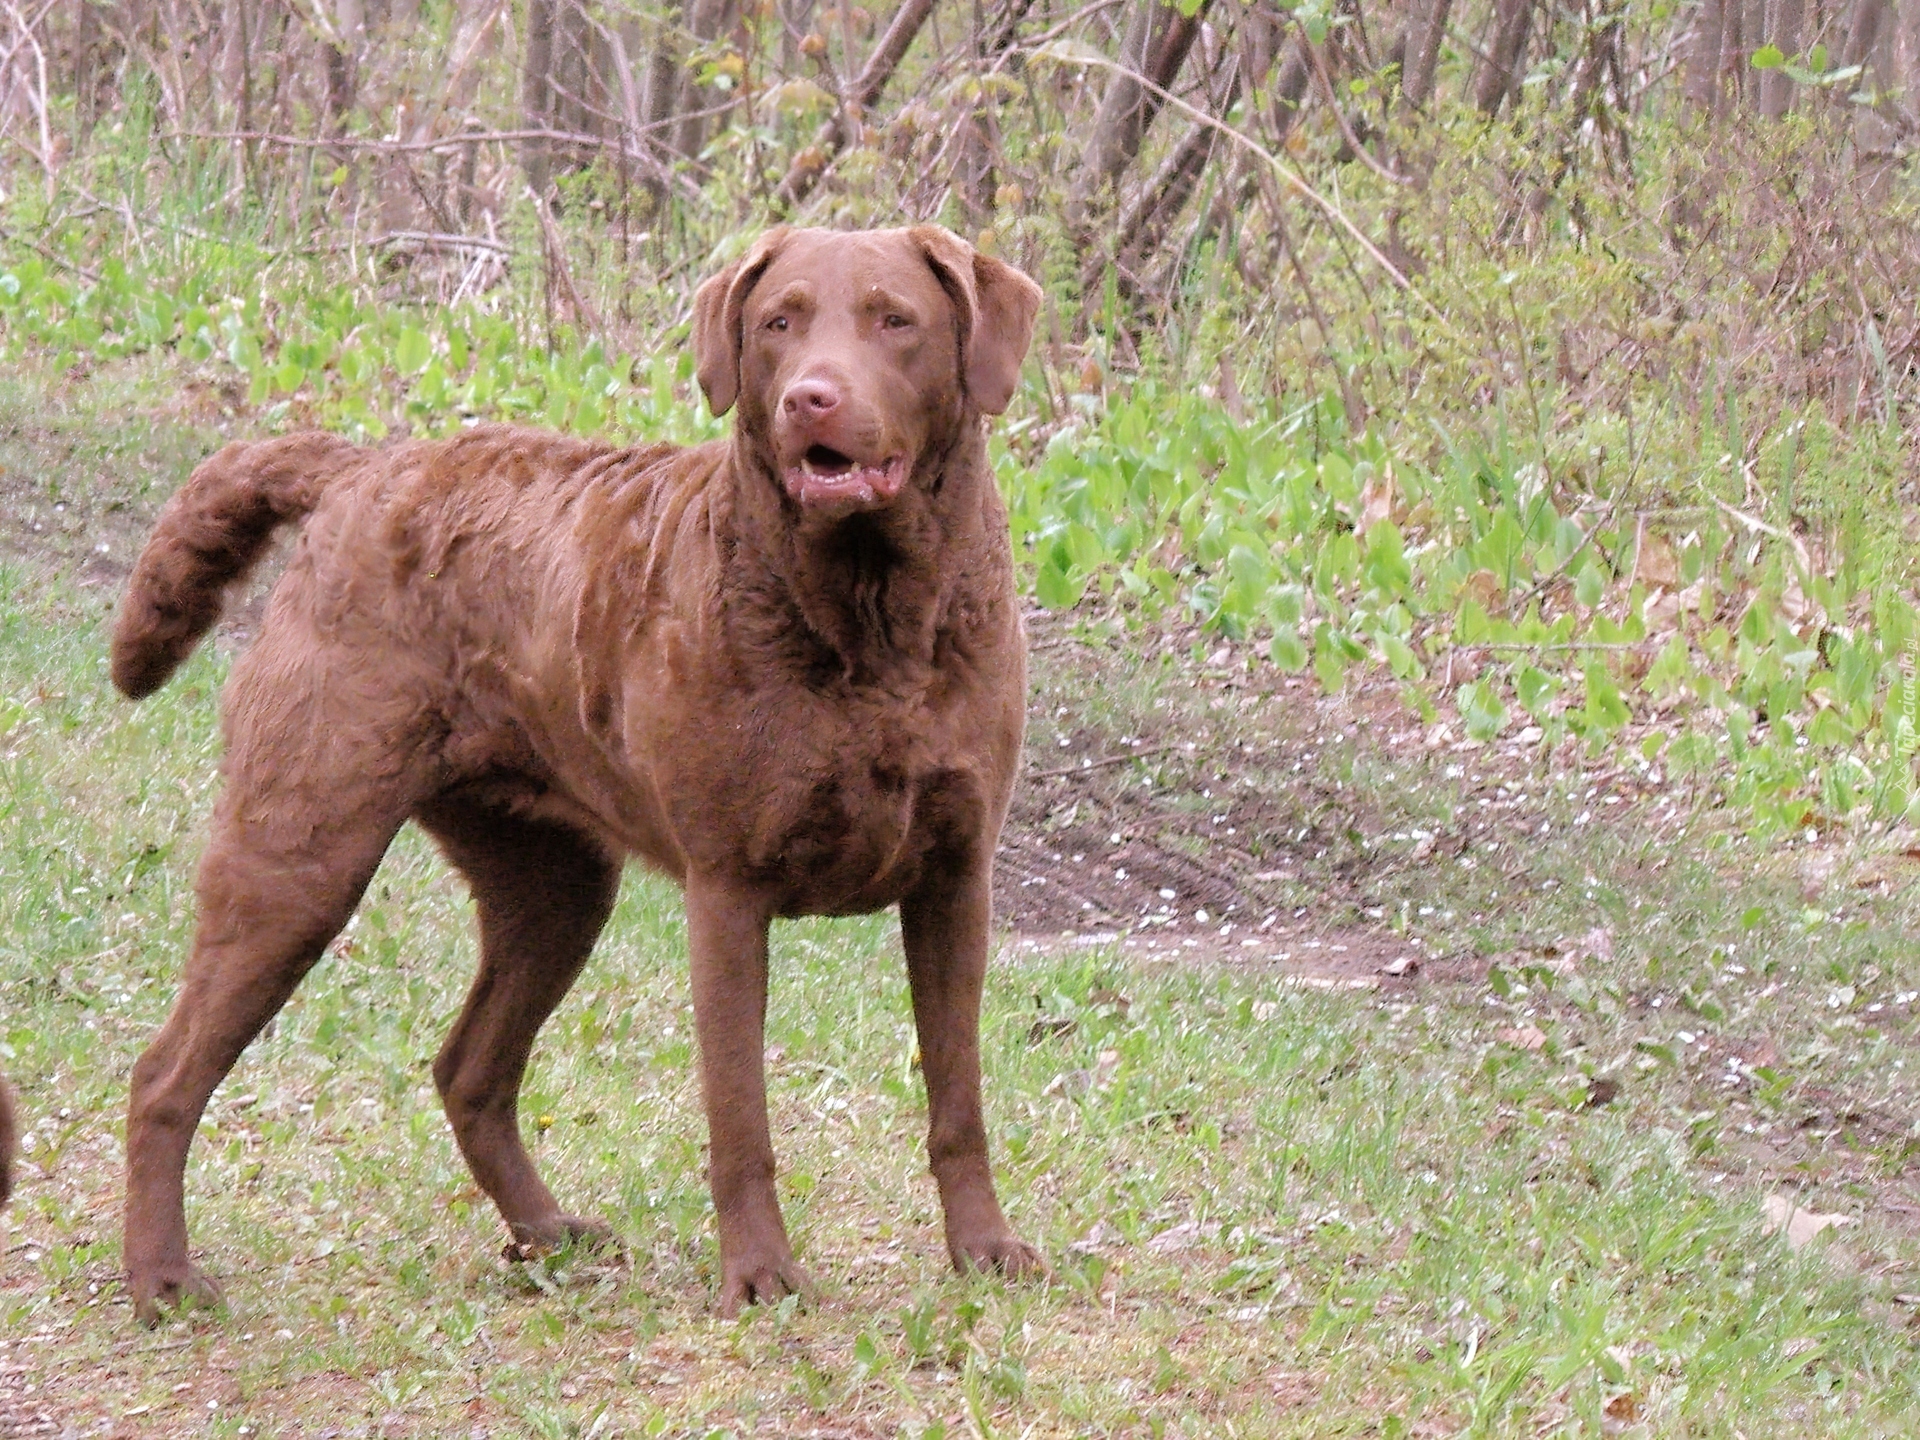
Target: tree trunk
1500,74
1783,30
343,60
1156,44
1144,223
861,93
976,147
581,66
659,85
1290,88
1426,28
536,93
1703,54
706,20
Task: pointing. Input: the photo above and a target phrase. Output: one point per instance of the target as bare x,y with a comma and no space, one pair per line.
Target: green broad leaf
1055,587
1768,57
1386,563
1536,689
243,352
1288,650
1329,668
1670,669
1829,728
1589,586
1400,658
412,351
1285,604
1471,626
1605,711
1480,710
1690,754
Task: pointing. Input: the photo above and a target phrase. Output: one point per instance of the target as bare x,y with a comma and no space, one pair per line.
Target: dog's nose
811,399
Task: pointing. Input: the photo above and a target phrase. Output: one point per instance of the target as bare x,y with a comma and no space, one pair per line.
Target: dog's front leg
727,934
944,925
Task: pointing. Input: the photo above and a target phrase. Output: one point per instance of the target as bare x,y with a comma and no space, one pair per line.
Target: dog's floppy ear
716,320
996,306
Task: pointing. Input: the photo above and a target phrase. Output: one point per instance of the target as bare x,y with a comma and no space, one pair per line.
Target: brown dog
786,669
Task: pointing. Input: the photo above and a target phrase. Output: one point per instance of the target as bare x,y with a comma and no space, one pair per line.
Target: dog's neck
874,592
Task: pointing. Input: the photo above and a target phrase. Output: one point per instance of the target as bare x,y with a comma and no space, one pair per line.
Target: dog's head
854,356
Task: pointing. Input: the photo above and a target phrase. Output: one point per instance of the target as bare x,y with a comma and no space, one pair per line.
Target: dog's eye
777,323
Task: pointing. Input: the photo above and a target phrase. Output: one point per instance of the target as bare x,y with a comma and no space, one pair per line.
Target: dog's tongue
812,484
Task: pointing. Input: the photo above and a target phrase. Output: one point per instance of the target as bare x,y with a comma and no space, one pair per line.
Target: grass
1276,1203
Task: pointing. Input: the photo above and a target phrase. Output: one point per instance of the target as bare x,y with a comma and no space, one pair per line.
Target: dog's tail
209,536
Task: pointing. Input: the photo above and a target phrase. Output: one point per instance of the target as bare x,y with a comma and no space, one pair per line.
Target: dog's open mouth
826,476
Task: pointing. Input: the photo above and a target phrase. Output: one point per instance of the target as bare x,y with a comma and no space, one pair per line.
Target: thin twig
1102,764
645,158
1273,162
433,240
47,253
1340,118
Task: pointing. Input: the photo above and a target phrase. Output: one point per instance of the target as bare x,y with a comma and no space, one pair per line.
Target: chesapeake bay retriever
786,669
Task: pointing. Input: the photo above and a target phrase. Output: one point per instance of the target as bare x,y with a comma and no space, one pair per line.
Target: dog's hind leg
543,891
279,878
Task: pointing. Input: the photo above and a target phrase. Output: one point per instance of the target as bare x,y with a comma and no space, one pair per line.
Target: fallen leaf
1376,501
1624,1408
1090,1243
1801,1226
1656,564
1662,612
1405,965
1601,1091
1184,1236
1049,1025
1069,1082
1483,588
1521,1037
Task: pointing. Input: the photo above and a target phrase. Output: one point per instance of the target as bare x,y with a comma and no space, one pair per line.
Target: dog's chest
851,822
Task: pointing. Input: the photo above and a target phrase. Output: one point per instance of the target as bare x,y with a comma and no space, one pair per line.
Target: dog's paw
532,1240
762,1281
173,1291
1005,1254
